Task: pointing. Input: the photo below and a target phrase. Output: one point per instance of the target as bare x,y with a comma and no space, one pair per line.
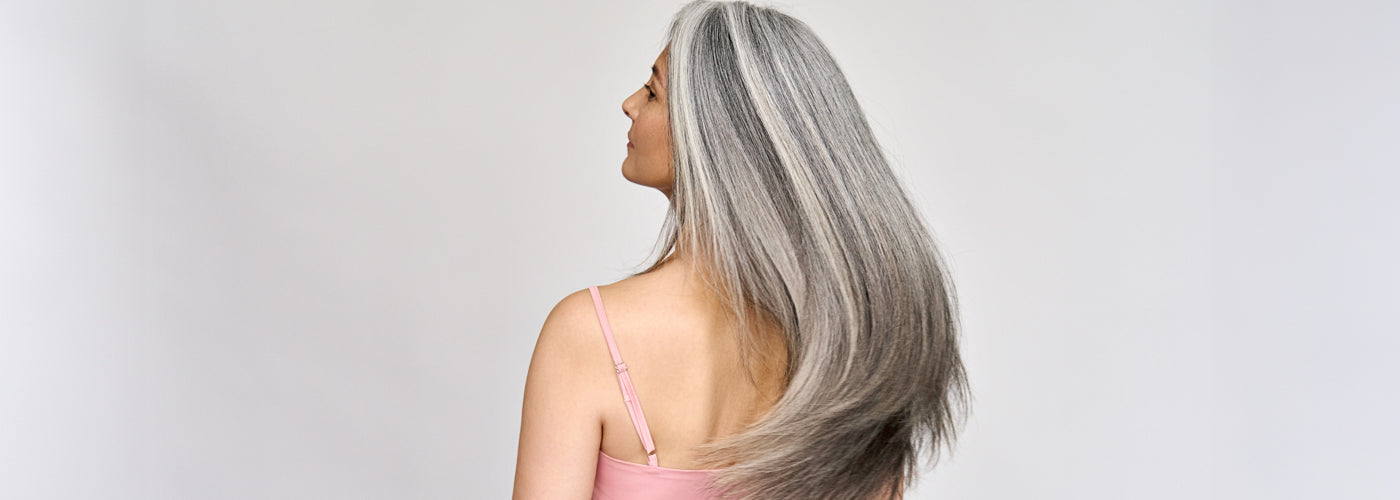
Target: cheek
658,133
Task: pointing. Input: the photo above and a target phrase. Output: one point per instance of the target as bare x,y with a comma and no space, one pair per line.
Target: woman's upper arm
560,423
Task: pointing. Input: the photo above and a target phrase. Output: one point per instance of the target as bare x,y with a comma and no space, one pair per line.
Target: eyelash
650,94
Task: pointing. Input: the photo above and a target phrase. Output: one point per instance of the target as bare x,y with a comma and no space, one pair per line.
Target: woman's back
685,367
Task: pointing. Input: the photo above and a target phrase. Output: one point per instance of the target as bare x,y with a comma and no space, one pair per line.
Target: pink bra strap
629,395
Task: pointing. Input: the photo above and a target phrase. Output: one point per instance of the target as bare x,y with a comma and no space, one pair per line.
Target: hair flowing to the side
791,211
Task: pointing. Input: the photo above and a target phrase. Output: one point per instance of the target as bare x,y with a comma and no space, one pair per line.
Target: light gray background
302,249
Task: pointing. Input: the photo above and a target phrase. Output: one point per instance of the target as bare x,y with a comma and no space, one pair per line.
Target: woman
797,340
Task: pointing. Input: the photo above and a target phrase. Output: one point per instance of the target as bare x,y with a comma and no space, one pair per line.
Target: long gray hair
787,204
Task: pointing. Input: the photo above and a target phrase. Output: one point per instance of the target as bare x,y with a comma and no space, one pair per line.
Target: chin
627,172
644,177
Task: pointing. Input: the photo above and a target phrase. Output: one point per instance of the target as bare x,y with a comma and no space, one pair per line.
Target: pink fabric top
621,480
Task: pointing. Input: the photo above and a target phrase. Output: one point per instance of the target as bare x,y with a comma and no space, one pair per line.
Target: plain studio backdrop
302,249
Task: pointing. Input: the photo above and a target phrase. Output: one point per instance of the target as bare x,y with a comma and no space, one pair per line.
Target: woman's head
648,160
790,210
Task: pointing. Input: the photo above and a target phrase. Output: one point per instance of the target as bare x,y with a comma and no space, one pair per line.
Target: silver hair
791,212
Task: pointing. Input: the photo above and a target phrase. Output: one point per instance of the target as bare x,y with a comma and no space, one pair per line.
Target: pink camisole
620,480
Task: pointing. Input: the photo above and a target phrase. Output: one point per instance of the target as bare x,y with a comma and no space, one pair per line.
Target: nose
627,106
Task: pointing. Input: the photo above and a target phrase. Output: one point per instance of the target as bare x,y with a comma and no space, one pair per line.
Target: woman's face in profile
648,159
